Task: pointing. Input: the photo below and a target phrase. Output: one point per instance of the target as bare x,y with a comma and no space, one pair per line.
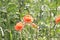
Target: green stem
20,36
11,36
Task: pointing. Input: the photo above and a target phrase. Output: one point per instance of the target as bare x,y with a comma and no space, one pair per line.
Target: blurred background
44,12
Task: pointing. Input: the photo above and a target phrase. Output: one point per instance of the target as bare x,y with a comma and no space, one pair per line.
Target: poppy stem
20,36
10,35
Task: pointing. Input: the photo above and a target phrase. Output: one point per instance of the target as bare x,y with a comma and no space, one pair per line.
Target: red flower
57,20
19,26
28,19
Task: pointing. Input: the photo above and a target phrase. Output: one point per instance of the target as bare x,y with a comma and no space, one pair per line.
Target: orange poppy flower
34,25
57,20
28,19
19,26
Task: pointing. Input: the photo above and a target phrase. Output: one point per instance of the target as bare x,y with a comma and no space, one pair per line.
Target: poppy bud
57,20
34,25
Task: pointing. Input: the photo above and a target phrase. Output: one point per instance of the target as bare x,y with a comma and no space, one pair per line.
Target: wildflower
28,19
19,26
57,20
